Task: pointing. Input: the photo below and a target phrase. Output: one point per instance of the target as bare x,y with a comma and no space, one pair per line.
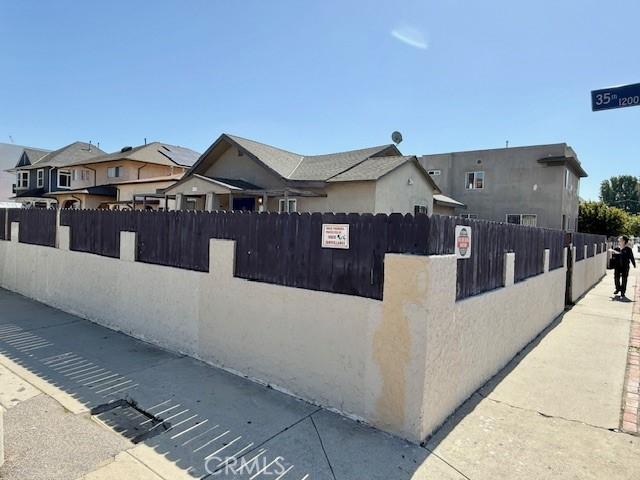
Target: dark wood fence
277,248
490,241
285,249
37,226
579,240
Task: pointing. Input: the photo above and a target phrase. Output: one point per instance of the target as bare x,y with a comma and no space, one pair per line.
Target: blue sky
315,77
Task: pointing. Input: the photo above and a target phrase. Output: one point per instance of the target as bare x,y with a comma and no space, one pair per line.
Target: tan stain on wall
404,286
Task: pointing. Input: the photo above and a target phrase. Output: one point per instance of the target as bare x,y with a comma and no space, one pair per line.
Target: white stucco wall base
586,273
402,364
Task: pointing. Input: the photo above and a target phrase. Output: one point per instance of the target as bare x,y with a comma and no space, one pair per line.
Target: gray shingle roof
67,155
371,169
281,161
294,166
155,152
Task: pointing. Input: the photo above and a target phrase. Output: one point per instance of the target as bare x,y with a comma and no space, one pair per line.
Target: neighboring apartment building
240,174
10,156
114,180
37,179
535,185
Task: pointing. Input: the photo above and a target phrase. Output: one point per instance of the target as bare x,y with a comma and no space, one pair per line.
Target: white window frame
521,216
472,186
291,201
116,171
470,216
23,175
40,178
435,173
65,173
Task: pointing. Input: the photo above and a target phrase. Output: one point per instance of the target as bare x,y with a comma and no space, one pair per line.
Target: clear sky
321,76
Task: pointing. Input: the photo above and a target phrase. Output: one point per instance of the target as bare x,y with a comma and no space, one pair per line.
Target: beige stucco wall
469,344
128,190
342,197
587,272
232,165
443,210
403,188
129,170
402,364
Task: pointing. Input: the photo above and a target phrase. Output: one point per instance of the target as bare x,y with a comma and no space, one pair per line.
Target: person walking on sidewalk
622,257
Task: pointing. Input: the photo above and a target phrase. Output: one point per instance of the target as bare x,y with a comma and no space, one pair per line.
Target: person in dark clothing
622,258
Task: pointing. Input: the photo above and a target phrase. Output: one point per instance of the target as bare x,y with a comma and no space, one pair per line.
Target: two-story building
40,173
535,185
10,156
115,180
236,173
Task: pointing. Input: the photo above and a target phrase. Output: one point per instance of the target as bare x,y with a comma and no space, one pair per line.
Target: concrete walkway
554,412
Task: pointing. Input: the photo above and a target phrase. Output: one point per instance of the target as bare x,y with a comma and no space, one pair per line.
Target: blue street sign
615,97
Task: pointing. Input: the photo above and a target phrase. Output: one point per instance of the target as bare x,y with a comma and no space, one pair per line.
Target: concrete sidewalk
554,412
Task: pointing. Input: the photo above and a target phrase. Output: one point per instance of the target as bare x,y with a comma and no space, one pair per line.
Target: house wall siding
395,194
232,165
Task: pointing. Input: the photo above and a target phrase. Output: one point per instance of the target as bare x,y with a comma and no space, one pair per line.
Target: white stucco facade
403,364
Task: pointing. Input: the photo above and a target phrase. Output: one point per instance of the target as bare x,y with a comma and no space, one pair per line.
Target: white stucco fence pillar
545,262
15,232
128,246
509,269
64,238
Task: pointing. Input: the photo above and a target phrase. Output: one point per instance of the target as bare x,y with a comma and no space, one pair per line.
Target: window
40,177
82,175
23,179
420,209
64,178
292,205
434,172
113,172
469,215
474,180
566,178
526,219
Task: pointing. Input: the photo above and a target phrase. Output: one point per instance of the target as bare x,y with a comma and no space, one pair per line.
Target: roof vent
125,149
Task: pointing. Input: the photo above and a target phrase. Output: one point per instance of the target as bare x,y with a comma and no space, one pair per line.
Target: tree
622,192
633,226
596,217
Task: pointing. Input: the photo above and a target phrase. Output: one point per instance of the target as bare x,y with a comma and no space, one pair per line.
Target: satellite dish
396,137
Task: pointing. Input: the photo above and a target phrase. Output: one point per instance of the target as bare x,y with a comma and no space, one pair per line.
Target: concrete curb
630,422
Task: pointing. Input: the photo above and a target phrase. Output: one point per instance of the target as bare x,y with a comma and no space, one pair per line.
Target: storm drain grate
128,419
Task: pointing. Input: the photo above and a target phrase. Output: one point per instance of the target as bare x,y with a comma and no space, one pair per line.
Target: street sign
615,97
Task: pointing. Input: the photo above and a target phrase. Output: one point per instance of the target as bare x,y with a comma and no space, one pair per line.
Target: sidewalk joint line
323,449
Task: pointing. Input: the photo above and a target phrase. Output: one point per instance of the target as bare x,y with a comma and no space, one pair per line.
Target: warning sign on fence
463,241
335,235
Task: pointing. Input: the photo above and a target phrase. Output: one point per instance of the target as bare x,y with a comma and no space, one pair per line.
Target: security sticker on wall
335,235
463,241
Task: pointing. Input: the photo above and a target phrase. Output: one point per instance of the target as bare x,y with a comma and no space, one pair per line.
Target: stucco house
236,173
535,185
120,179
40,173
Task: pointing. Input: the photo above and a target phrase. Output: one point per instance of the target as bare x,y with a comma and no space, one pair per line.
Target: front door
247,204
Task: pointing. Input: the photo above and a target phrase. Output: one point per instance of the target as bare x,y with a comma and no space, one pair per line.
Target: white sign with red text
335,235
463,241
